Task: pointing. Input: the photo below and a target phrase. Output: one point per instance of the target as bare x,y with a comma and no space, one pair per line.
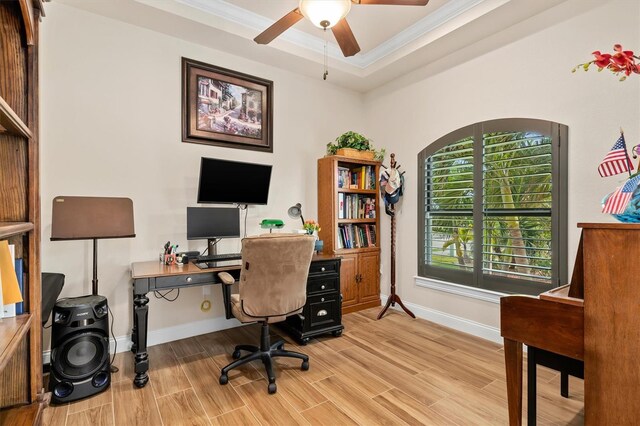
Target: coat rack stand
393,297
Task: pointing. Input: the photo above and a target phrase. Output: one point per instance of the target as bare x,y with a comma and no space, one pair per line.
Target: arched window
493,207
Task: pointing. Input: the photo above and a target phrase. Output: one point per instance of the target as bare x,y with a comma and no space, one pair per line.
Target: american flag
617,202
617,161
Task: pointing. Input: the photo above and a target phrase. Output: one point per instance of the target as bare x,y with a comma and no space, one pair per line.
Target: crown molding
255,22
426,25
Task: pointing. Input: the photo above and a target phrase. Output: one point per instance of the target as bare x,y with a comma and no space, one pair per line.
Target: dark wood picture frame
226,108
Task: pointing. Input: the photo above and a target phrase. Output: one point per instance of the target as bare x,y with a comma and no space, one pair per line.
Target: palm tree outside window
493,206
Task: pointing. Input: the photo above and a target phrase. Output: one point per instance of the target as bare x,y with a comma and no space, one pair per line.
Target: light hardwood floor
394,371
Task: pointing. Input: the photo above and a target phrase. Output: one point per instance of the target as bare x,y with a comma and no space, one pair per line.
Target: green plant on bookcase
355,141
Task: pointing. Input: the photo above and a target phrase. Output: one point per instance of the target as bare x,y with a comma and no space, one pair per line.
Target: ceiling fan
328,14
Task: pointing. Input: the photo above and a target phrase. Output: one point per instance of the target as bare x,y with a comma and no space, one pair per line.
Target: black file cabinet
323,311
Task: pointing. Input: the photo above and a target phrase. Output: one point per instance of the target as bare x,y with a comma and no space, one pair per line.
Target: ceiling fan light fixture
324,13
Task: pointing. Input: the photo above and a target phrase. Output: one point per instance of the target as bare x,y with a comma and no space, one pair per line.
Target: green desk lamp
270,224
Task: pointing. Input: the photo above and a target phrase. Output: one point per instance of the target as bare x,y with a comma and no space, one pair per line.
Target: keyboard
218,264
218,257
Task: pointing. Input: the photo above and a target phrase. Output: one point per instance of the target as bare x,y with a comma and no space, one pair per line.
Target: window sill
459,290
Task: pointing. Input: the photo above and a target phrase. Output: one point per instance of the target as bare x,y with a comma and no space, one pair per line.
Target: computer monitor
233,182
212,223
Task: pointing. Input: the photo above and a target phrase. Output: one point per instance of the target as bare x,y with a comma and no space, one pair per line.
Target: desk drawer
184,280
322,311
324,267
322,284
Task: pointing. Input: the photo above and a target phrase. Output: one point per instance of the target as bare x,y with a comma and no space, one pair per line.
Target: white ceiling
394,40
371,24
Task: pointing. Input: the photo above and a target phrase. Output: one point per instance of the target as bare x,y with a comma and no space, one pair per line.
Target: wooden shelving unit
357,191
12,330
11,123
360,267
21,385
9,229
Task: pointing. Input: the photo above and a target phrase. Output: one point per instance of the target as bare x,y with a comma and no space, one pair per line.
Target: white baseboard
168,334
452,321
183,331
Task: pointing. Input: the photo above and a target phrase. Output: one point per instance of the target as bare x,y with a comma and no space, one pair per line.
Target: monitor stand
212,245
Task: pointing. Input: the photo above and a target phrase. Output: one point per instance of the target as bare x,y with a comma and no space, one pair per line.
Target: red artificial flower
624,60
621,61
602,60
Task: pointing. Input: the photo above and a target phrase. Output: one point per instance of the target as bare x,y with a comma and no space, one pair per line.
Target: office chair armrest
226,278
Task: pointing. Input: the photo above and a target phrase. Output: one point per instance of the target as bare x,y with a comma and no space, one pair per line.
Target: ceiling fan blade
393,2
345,38
280,26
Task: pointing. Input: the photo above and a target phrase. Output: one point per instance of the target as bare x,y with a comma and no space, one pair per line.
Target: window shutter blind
449,207
493,206
517,202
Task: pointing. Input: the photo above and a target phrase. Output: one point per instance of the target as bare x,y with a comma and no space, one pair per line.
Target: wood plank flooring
395,371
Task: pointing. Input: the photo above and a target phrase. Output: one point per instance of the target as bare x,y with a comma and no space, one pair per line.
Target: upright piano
596,319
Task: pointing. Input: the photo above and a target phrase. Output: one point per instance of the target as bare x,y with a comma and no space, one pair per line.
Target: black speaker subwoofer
80,364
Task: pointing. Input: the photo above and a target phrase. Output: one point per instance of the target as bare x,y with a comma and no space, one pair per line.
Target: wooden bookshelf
360,267
21,384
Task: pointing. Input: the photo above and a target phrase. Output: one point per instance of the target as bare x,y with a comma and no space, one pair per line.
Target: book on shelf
19,264
10,288
356,236
370,208
363,177
343,177
372,178
356,206
1,310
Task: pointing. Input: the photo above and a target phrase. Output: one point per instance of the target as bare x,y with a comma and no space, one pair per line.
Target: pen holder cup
168,259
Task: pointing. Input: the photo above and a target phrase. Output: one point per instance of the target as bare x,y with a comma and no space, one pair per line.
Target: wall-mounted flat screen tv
233,182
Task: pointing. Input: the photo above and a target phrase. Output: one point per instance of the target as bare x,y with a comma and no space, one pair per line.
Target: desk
151,276
321,313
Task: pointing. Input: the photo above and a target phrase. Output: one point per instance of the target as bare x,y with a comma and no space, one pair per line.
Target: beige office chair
273,285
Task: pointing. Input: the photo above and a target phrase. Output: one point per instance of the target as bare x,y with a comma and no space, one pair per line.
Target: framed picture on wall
226,108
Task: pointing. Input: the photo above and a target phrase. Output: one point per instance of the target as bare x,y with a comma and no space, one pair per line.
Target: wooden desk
151,276
321,313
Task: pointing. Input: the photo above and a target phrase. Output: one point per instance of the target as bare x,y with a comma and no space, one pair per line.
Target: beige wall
530,77
110,120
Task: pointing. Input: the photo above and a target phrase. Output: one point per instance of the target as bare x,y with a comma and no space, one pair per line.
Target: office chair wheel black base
224,379
265,353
